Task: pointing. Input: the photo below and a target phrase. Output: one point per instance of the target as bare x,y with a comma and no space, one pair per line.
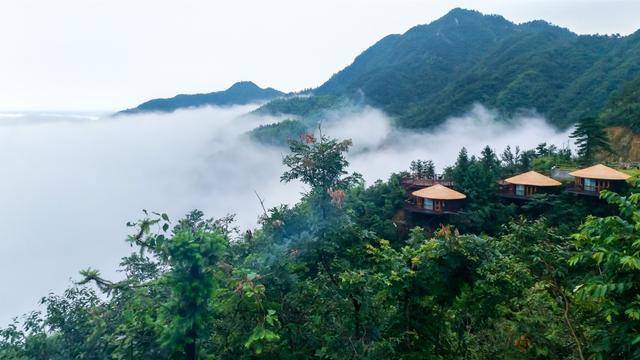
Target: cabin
436,200
592,180
523,186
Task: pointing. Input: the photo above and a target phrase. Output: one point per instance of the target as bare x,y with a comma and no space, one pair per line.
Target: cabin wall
517,190
597,185
438,206
453,205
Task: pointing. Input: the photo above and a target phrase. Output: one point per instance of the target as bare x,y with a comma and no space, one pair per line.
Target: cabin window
428,204
589,185
519,190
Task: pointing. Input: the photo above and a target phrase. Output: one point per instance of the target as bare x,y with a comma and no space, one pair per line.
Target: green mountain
305,111
240,93
624,107
440,69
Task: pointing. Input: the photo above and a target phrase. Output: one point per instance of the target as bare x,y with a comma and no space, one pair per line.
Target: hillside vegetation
347,274
439,70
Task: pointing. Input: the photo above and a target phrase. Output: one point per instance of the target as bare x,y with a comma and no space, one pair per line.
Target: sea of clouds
70,182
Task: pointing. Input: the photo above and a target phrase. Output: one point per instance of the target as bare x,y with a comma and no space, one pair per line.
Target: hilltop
240,93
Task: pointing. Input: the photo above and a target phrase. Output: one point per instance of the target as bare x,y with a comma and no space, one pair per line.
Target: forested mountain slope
438,70
350,273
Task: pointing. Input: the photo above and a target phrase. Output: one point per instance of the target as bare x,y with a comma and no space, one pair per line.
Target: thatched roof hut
600,172
533,178
592,180
439,192
437,200
523,186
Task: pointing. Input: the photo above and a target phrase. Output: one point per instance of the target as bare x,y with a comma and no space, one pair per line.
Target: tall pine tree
590,139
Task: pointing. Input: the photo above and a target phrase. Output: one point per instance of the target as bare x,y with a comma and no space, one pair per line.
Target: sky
105,55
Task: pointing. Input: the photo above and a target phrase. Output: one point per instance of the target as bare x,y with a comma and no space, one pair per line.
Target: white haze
71,181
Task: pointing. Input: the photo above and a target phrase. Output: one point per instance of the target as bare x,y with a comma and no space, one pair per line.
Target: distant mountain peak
455,16
244,85
462,12
240,93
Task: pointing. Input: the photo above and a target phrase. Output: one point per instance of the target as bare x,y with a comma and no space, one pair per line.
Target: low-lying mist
71,182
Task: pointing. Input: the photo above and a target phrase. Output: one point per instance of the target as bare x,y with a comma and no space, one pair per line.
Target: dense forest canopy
346,273
624,106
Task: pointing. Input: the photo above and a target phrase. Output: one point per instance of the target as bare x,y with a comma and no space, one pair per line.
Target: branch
261,204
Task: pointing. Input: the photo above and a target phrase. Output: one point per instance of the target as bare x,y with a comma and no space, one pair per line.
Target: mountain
240,93
440,69
623,109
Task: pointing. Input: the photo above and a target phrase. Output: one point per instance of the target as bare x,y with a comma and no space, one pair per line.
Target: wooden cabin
592,180
525,185
437,200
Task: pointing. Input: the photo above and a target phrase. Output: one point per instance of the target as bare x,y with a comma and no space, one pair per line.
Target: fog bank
72,181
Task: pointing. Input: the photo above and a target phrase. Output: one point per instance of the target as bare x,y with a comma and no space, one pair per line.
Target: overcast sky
112,54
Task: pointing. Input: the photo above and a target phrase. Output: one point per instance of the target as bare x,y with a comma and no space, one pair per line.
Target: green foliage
375,207
302,106
309,111
344,274
590,139
423,169
478,179
279,133
319,163
609,249
441,69
623,107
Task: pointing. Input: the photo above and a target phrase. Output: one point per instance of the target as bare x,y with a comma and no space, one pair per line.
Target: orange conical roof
532,178
600,172
439,192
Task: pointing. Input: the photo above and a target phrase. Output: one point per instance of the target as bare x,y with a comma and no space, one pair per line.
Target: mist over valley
402,180
101,171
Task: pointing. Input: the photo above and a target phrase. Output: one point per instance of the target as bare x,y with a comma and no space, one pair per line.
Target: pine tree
423,169
590,139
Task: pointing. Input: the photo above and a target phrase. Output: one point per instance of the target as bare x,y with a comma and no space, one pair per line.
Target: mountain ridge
240,93
437,70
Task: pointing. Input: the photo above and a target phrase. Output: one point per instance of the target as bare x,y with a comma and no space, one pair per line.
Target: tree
590,139
319,163
423,169
609,248
190,252
510,159
344,274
